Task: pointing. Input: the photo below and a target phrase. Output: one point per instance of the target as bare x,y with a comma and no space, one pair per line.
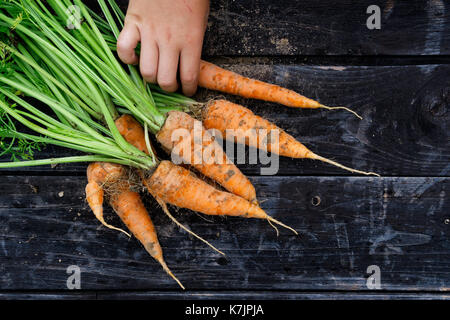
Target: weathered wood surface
405,130
311,27
250,296
398,224
265,27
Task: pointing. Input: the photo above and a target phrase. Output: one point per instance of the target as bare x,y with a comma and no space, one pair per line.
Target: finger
149,59
167,68
127,42
189,69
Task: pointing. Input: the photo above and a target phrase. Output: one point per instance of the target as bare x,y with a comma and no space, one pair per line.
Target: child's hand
170,32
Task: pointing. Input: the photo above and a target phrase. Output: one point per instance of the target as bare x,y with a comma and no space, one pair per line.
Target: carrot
132,131
216,165
222,171
134,134
175,185
130,208
126,203
223,115
214,77
99,173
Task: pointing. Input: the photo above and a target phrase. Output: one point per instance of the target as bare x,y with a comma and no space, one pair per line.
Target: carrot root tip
167,212
166,269
342,108
273,226
270,219
334,163
112,227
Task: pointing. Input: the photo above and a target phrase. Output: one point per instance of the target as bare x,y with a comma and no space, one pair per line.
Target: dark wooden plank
72,295
310,27
404,131
219,295
346,224
267,295
405,109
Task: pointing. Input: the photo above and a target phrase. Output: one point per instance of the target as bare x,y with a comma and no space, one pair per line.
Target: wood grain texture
268,295
253,297
405,130
46,296
310,27
399,224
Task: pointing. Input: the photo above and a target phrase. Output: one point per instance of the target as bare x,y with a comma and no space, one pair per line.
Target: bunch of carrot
98,107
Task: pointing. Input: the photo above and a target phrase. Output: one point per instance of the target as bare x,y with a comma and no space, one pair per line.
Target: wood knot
315,201
439,107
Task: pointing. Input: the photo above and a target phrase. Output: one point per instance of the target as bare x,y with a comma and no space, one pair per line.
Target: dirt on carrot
175,185
180,187
131,210
197,147
223,115
214,77
102,175
126,203
211,160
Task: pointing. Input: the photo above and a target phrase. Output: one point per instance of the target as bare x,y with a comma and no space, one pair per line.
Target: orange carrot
223,115
214,77
134,134
223,171
126,203
130,208
175,185
210,160
98,174
132,131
